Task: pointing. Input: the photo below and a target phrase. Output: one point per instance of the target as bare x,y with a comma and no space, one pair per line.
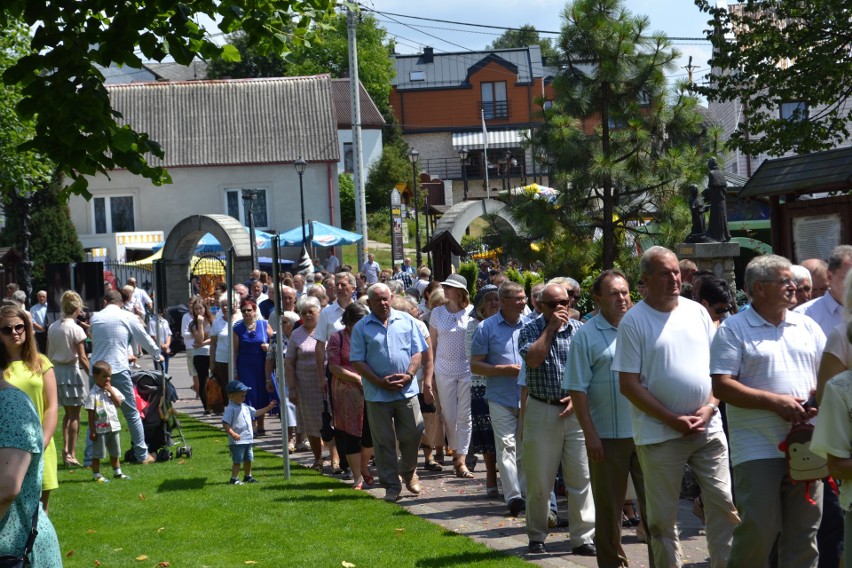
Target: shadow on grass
182,484
461,559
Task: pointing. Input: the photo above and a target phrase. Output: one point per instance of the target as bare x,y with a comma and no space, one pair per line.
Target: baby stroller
156,398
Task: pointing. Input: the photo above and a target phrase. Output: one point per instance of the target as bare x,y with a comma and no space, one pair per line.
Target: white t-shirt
781,360
223,340
671,353
329,322
451,358
63,337
106,416
165,330
833,433
838,345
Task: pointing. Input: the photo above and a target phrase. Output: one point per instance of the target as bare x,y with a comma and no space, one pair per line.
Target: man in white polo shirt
764,363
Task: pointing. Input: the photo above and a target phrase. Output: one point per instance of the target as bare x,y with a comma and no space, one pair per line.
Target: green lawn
350,256
184,513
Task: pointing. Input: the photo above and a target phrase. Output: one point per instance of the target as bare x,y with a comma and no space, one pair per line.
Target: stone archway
180,246
459,217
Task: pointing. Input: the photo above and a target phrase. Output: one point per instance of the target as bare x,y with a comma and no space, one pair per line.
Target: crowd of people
612,406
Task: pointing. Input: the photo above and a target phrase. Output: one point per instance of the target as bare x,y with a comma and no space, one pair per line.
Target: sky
676,18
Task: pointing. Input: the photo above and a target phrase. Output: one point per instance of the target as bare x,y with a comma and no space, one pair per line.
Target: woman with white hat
448,330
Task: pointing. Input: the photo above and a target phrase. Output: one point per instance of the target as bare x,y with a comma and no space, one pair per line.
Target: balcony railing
495,110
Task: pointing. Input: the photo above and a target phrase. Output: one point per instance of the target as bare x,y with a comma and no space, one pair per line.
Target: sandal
463,472
368,479
335,468
359,486
432,465
317,465
492,492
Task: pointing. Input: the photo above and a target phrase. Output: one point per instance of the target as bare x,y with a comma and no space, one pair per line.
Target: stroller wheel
180,452
189,451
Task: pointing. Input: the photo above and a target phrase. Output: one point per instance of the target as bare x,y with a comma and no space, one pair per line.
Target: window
114,214
416,76
235,205
494,101
348,157
795,111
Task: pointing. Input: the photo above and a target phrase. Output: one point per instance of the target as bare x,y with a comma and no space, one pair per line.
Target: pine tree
621,145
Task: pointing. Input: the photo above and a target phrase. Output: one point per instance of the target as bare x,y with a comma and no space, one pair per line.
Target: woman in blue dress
251,342
21,452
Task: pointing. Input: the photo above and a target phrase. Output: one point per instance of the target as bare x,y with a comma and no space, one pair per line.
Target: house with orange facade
441,101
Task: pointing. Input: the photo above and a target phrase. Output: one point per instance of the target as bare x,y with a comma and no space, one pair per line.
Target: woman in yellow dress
25,368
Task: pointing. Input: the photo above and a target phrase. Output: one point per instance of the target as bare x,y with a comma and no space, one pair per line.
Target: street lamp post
249,195
300,165
509,163
413,156
463,158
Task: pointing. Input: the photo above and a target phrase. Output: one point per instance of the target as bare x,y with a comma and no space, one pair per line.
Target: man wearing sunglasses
552,433
662,355
764,363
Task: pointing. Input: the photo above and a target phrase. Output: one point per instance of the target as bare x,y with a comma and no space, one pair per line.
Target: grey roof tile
370,115
234,122
452,69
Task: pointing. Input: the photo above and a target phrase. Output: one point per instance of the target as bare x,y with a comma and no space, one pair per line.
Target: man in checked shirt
552,433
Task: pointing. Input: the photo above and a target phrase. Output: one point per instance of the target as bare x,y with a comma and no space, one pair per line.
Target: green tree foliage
783,51
346,189
525,36
392,168
63,90
54,237
621,145
21,172
328,52
252,64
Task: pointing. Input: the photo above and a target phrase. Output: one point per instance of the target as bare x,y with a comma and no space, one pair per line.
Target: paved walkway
460,505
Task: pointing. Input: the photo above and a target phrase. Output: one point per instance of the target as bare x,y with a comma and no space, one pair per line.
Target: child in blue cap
237,422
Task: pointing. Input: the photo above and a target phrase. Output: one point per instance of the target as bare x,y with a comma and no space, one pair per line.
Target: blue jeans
122,382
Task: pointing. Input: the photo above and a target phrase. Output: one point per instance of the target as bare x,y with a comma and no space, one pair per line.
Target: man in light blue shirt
112,330
827,310
494,355
386,349
604,415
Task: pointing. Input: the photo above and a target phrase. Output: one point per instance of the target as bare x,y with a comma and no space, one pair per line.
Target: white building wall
201,190
372,147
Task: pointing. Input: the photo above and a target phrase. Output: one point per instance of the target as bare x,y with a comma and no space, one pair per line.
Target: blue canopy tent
208,243
320,235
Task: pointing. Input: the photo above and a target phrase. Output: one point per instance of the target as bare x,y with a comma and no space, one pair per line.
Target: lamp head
300,165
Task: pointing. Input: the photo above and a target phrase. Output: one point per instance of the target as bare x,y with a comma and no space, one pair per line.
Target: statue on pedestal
716,192
698,208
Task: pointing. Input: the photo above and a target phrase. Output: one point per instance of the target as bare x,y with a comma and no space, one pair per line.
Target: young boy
104,427
237,422
165,337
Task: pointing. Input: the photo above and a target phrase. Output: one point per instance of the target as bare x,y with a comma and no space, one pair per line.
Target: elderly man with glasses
552,433
764,364
495,356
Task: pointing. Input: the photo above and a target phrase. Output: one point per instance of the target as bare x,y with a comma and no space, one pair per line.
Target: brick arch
180,246
459,217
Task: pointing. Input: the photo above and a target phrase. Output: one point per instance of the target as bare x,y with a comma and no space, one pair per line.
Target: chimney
428,55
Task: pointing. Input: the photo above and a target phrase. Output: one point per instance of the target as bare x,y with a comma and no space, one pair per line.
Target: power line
486,26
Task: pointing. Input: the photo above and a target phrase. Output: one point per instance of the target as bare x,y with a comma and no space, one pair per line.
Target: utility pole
357,153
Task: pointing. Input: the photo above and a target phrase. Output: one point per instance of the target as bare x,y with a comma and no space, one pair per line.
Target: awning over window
496,139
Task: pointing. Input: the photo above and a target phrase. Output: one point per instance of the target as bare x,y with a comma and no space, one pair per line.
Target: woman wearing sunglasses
715,295
251,342
25,368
